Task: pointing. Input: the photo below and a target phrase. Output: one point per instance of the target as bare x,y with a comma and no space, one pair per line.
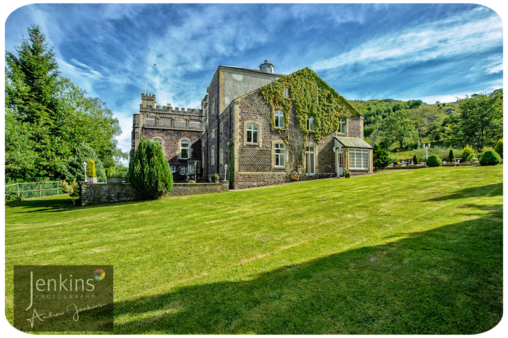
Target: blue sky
365,51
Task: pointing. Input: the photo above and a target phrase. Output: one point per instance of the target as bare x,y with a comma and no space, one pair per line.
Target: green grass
417,251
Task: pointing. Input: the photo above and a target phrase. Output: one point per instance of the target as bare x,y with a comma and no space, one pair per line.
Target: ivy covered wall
310,96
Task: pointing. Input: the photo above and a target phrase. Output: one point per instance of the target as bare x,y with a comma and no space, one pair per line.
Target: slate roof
352,142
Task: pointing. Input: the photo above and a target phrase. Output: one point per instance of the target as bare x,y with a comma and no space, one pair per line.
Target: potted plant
347,174
90,170
216,178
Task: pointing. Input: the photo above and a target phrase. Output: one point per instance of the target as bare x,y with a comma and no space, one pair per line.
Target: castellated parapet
148,105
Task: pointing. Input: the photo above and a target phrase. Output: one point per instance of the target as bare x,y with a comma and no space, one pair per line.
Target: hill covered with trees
405,125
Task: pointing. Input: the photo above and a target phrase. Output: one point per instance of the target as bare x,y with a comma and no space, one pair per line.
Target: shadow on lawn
496,188
58,205
447,280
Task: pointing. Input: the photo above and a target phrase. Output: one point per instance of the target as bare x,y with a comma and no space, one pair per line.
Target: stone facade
232,102
170,126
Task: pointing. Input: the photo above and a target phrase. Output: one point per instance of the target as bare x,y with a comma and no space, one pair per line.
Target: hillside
433,118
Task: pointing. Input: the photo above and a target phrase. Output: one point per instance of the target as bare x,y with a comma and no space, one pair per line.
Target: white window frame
182,148
173,169
286,92
254,130
310,123
353,159
212,160
342,126
280,155
313,151
279,119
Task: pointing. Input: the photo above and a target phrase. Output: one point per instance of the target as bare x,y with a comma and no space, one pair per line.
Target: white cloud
113,11
446,38
496,69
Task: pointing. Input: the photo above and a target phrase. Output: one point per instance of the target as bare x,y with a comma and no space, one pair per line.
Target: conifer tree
149,171
31,90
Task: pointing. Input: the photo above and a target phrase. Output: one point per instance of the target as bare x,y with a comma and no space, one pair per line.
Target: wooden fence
26,189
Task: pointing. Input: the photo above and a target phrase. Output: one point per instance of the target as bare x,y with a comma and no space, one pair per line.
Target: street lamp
84,167
225,171
426,147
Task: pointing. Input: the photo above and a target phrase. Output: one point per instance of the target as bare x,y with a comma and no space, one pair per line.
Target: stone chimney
266,67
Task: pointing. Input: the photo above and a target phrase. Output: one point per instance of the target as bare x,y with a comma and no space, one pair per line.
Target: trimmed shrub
149,172
466,152
451,155
415,159
434,161
499,148
90,169
490,157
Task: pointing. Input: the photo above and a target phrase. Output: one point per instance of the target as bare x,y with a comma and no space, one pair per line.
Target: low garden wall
110,193
107,193
198,188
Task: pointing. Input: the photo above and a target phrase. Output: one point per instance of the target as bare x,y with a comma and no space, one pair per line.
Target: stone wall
111,193
107,193
355,127
198,188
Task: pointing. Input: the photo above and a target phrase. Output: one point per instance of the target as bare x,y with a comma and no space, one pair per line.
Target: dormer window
342,127
310,123
279,119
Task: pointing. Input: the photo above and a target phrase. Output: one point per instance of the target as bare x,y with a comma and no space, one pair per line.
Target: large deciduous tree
398,127
481,119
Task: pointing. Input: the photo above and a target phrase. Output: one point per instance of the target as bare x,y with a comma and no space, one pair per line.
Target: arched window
213,156
158,141
184,149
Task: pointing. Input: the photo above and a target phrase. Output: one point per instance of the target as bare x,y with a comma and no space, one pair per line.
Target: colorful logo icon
99,274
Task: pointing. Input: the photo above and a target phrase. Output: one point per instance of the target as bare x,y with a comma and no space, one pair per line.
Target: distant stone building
240,136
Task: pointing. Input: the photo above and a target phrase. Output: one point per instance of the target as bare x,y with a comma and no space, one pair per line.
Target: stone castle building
238,135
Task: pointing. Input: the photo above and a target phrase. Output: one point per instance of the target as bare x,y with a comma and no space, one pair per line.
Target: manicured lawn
418,251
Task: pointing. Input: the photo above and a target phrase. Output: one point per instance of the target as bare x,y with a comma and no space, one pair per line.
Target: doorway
340,165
